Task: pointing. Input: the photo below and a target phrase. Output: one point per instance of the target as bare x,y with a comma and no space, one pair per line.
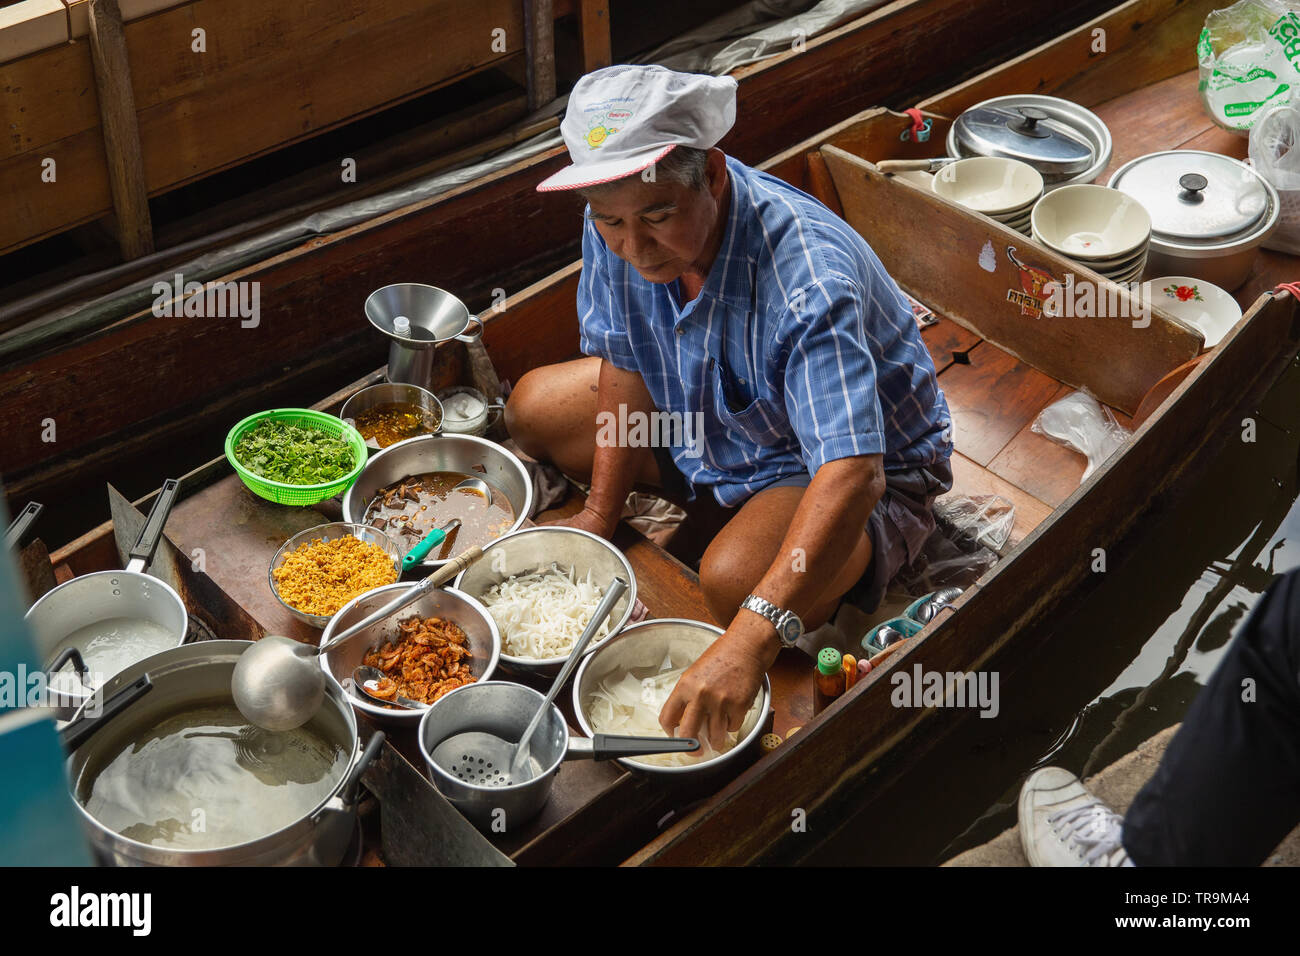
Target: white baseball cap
623,119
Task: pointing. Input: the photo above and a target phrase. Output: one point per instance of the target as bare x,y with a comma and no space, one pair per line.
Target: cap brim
593,174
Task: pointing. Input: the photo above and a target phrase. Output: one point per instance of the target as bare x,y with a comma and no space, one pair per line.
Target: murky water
1122,665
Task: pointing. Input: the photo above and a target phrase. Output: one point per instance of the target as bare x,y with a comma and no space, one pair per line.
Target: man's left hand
716,692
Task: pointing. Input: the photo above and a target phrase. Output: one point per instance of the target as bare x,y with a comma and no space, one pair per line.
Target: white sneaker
1062,824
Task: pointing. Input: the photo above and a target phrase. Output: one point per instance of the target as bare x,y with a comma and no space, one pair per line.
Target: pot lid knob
1192,184
1031,116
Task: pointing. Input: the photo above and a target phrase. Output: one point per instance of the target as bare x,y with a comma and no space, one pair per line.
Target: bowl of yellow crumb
319,570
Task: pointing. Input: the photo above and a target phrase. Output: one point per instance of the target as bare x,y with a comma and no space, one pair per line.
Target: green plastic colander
281,492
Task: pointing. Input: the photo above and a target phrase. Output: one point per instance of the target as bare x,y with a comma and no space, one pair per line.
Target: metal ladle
277,683
491,750
476,485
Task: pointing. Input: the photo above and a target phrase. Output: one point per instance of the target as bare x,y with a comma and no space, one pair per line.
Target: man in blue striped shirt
748,355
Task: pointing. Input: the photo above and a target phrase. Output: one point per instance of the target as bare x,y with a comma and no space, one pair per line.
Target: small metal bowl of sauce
390,412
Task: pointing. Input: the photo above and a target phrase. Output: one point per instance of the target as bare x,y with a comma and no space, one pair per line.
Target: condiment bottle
850,668
828,682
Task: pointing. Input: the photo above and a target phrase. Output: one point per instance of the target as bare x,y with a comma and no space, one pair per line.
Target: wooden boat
999,368
312,336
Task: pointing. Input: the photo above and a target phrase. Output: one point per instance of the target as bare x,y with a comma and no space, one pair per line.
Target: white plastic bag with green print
1249,56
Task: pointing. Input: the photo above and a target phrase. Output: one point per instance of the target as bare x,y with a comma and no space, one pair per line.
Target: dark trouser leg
1228,788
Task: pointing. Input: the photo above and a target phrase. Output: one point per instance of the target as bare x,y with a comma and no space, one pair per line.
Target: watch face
791,630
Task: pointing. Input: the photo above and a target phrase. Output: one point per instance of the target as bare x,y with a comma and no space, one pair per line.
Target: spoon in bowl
277,683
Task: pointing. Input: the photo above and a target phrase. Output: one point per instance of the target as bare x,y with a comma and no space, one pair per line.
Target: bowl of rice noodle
622,686
541,586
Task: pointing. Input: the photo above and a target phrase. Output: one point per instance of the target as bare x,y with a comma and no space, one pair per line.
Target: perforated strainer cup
482,788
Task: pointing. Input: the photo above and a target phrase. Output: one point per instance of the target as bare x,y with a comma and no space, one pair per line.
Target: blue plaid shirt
799,350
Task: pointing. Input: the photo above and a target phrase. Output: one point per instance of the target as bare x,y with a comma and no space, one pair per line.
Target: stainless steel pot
531,549
200,673
644,646
1209,213
459,453
505,710
104,595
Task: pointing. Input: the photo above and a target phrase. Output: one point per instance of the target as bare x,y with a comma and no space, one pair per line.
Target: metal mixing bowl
644,646
449,604
532,549
329,532
458,453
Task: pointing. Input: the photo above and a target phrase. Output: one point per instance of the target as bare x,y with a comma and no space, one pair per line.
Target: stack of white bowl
1098,227
1002,189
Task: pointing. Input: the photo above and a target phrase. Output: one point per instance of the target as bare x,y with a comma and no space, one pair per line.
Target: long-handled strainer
277,684
477,750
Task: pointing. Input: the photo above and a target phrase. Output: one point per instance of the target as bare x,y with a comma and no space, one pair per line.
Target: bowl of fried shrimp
445,640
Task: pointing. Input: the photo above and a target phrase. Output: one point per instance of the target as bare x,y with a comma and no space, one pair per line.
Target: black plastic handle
608,746
349,788
78,663
18,527
151,533
81,729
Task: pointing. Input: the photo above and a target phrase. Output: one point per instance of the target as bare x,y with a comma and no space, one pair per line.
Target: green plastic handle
426,544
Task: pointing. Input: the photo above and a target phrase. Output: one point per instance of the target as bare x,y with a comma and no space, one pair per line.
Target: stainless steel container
1209,213
449,604
644,646
198,673
389,392
505,710
103,596
416,318
532,549
460,453
1064,141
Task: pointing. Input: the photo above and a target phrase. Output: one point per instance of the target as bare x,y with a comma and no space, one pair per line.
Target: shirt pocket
738,412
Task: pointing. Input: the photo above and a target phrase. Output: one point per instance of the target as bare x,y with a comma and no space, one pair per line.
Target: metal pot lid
1194,196
1026,133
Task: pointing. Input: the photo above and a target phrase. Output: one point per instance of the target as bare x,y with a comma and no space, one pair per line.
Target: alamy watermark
626,428
923,688
212,300
1084,299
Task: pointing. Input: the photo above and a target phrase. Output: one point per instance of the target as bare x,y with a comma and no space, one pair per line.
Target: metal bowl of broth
439,461
181,779
392,411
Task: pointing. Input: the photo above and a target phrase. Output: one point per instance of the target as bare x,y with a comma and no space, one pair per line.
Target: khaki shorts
898,526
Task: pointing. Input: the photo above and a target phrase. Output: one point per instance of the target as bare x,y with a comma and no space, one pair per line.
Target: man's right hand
588,519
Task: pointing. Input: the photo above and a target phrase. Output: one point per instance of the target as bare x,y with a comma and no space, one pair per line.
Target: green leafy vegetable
294,454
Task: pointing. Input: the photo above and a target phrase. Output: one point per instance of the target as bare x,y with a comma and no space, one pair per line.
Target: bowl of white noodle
541,587
621,687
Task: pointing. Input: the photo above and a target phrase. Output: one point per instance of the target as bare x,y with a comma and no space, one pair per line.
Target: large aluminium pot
199,673
1209,213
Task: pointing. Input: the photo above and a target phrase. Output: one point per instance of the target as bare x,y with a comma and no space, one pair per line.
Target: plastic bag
1080,422
1249,58
1273,153
943,563
977,520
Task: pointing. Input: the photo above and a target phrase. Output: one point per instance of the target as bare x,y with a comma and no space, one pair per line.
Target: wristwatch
788,626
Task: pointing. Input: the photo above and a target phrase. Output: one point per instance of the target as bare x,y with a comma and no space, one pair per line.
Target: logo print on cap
603,126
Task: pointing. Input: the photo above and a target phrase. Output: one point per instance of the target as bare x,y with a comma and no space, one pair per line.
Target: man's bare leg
748,546
551,415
